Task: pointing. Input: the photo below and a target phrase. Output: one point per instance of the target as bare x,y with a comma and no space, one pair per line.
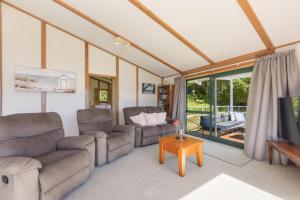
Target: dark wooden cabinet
165,96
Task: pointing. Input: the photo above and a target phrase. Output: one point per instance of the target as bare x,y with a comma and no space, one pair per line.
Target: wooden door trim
43,62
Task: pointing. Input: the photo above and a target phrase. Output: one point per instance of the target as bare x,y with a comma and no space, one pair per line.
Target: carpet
138,175
225,153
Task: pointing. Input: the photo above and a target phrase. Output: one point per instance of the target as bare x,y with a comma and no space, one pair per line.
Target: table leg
270,149
161,153
199,156
181,162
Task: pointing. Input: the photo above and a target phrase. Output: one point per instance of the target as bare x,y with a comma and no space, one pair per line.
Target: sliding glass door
217,105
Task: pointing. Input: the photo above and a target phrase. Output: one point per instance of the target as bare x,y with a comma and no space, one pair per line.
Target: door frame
211,97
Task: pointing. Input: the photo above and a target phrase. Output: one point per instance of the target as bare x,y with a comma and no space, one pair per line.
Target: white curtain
274,76
179,100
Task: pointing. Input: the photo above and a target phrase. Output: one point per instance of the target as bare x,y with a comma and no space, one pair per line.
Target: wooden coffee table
181,148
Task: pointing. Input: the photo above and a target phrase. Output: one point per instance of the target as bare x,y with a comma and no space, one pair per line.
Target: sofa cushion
239,116
167,128
151,119
154,109
117,139
225,117
223,126
148,131
33,146
95,119
28,124
161,117
139,119
132,111
59,165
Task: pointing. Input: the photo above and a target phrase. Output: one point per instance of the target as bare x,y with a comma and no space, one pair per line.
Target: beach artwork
33,79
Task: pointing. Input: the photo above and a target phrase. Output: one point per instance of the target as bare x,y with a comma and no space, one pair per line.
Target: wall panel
101,62
21,46
67,53
148,99
127,87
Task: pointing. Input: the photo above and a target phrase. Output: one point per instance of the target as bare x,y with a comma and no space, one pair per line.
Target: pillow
151,119
239,116
161,117
139,119
232,117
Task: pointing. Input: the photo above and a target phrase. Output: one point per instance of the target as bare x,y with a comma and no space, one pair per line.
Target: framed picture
33,79
148,88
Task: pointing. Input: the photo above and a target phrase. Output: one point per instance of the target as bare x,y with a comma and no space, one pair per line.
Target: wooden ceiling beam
168,28
238,59
223,69
115,34
248,10
75,36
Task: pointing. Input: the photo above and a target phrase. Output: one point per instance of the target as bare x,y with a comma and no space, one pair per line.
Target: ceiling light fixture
119,40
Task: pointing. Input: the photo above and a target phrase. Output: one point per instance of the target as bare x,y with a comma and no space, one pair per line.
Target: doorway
101,92
217,106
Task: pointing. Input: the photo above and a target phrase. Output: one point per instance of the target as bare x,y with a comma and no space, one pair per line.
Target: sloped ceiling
220,29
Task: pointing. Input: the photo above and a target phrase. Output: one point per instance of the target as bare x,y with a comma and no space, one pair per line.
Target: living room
145,99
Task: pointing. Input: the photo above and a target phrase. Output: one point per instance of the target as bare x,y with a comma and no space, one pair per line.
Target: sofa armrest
75,142
101,145
96,134
17,165
124,128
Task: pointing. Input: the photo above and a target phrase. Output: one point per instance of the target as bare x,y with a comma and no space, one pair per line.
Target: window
213,103
103,96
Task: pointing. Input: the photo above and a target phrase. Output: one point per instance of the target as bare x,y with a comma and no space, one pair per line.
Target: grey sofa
37,161
223,122
112,141
146,135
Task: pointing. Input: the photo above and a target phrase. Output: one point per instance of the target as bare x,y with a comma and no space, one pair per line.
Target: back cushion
33,146
133,111
95,119
29,134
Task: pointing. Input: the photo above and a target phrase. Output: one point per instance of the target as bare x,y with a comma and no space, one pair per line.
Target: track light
119,40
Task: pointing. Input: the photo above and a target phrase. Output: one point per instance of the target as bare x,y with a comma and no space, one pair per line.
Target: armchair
37,161
112,141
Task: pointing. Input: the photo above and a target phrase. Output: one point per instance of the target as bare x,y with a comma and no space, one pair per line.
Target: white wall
65,52
21,46
148,99
127,87
101,62
170,80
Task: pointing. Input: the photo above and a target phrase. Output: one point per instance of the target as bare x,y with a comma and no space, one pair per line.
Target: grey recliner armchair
37,161
112,141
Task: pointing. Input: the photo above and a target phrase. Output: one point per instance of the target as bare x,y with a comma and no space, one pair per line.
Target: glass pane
231,106
198,95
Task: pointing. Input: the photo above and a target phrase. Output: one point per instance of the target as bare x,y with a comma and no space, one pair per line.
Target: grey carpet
139,176
225,153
